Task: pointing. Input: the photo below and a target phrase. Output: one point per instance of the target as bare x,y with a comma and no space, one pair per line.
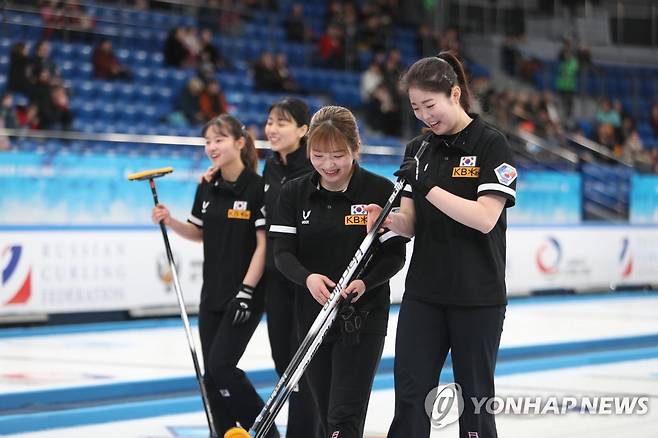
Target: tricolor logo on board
467,161
506,173
16,276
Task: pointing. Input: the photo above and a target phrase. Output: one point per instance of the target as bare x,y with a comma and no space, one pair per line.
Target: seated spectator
370,80
8,119
330,48
210,60
266,76
77,22
106,65
449,41
20,77
192,43
286,79
51,17
295,25
606,114
382,112
653,119
187,108
8,112
426,41
41,61
605,135
633,147
175,51
53,111
230,18
212,101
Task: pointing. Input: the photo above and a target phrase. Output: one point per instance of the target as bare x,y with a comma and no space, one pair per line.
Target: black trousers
341,381
232,397
303,418
425,333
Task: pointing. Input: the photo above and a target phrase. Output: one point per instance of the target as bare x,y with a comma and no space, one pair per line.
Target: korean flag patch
240,205
358,209
506,174
467,161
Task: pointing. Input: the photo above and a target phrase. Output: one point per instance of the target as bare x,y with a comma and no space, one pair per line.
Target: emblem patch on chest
467,161
239,211
357,216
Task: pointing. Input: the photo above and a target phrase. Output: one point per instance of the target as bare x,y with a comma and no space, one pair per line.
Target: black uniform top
318,231
275,174
453,263
229,214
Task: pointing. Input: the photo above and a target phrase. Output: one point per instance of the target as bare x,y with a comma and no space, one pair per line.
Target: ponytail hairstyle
228,125
439,74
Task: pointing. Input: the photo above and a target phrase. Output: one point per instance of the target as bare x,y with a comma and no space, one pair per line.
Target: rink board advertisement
92,270
49,270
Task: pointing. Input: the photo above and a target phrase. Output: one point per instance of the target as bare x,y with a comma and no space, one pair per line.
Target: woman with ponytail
228,217
455,294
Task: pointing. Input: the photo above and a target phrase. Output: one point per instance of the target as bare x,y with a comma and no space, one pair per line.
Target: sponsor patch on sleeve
506,174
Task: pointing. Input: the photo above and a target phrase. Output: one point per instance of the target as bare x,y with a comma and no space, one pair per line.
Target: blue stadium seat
125,92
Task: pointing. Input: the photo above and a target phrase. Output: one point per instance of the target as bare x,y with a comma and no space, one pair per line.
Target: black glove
240,305
418,178
350,320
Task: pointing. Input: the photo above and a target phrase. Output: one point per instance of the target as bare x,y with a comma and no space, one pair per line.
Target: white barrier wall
56,271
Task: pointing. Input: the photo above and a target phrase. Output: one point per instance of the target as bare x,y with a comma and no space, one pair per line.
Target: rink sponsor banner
79,271
644,199
56,271
580,258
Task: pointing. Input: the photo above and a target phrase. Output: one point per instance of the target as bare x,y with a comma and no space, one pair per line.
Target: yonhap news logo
445,404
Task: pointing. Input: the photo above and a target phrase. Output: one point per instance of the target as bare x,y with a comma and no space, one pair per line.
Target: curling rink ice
135,379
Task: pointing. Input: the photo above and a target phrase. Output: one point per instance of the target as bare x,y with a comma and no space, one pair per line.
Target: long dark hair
439,74
229,125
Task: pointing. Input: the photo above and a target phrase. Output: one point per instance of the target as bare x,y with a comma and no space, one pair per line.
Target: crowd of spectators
36,76
198,102
66,17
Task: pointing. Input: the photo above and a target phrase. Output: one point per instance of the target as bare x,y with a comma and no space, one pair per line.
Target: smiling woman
318,225
455,293
227,216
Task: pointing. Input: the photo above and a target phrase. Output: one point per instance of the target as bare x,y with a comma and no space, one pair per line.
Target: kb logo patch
465,172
